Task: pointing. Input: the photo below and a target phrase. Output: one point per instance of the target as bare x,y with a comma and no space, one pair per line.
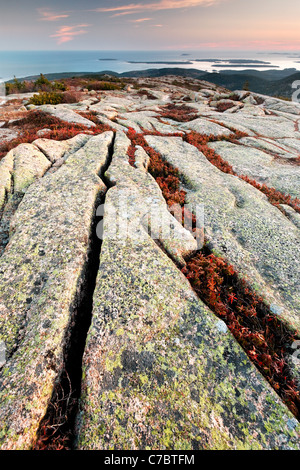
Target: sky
267,25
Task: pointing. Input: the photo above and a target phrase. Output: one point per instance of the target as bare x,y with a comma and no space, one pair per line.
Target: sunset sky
271,25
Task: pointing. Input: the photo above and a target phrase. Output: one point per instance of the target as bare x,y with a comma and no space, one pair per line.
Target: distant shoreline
185,72
162,62
262,66
272,82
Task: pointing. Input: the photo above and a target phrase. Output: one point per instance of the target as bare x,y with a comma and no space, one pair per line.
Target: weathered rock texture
242,225
41,272
159,369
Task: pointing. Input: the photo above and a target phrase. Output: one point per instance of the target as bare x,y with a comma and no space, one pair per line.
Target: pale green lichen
45,264
172,379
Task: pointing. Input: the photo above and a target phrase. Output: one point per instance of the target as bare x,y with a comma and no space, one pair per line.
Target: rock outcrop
160,369
42,270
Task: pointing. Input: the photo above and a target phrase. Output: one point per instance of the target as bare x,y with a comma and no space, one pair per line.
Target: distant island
234,61
185,62
248,65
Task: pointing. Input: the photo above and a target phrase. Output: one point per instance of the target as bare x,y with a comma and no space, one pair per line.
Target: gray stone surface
19,169
54,149
42,270
6,169
29,164
7,135
206,127
242,225
276,104
160,371
65,113
274,127
261,166
142,204
293,144
276,147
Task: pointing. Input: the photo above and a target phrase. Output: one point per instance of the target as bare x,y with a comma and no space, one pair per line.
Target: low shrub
18,87
59,86
41,84
99,85
46,98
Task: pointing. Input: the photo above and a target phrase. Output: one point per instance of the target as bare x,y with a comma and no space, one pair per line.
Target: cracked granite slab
160,371
241,225
42,269
261,166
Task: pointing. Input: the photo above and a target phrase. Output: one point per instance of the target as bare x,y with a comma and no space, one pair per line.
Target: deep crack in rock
56,429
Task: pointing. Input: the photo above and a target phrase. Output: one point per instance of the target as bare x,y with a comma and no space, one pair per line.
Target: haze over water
27,63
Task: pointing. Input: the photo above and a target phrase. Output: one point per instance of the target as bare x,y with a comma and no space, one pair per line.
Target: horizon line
262,51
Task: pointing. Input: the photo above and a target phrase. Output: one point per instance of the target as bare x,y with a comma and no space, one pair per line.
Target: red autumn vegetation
35,121
223,106
262,335
179,113
275,197
166,176
147,93
55,431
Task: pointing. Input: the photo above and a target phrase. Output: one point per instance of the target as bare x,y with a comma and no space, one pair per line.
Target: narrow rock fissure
12,203
57,428
4,204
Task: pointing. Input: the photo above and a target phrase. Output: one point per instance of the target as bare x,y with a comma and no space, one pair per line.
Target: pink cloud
47,15
123,13
160,5
140,20
68,33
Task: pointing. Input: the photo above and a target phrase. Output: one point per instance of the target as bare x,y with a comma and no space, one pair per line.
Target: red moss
166,176
35,121
261,334
147,93
200,142
221,107
182,113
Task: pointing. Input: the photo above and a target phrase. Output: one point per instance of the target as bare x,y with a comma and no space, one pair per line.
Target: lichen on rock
42,270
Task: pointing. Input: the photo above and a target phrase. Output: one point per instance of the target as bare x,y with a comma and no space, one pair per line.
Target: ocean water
27,63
